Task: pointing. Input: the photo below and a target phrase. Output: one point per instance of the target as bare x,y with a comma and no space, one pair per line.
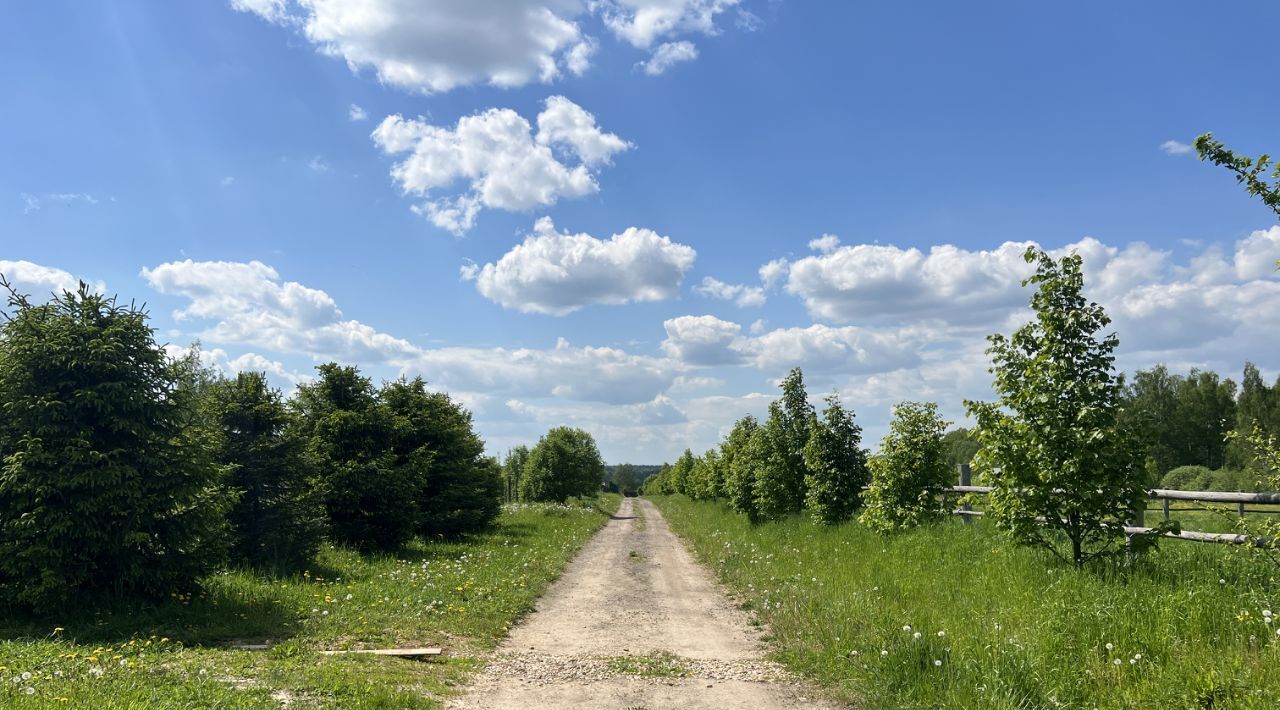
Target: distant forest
1194,425
626,478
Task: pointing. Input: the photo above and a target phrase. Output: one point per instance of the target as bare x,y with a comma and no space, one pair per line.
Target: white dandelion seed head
1117,661
937,662
941,634
1109,646
917,635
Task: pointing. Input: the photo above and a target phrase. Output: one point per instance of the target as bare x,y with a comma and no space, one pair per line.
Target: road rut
634,622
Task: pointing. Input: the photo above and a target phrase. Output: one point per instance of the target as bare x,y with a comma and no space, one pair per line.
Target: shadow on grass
215,616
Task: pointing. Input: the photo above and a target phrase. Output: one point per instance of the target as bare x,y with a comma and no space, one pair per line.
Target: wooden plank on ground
398,652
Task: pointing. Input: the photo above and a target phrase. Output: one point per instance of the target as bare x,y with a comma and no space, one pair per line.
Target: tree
657,483
565,463
513,469
713,475
278,520
739,484
1186,419
370,494
780,481
625,478
678,478
910,472
836,464
102,489
433,441
1060,465
1248,171
961,445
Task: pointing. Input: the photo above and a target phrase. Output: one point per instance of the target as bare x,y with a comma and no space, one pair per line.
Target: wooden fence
1135,526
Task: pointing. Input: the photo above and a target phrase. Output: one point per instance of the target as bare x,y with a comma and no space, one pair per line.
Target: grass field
459,595
953,616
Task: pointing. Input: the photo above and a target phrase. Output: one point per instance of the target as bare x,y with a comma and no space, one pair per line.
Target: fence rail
1162,494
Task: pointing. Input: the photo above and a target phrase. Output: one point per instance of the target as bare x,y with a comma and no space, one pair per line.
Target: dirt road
634,623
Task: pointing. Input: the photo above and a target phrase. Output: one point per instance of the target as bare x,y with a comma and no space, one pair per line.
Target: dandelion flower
30,690
907,627
937,663
1137,656
1132,661
1109,646
1265,612
941,634
916,635
26,675
885,653
1117,661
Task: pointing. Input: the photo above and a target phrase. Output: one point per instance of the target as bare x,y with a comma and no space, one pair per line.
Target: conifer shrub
103,491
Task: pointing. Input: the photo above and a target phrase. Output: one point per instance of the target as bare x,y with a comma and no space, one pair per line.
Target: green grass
658,665
460,595
1219,517
1010,626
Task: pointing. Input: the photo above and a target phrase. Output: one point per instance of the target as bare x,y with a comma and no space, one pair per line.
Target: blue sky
435,188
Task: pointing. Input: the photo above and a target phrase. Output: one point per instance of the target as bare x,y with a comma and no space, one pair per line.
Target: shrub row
123,471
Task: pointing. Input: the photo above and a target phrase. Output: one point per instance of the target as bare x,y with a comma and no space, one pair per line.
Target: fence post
965,480
1240,507
1166,508
1137,519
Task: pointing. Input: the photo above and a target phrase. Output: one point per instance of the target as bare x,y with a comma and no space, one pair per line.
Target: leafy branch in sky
1250,172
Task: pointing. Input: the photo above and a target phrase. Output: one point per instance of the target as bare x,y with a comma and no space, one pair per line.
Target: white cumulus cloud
1175,148
38,282
435,46
643,22
557,273
248,304
502,163
669,54
742,295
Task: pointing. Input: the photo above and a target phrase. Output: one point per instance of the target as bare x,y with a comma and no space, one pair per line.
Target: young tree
103,492
432,439
910,472
740,479
513,469
370,496
836,464
678,478
1249,172
1062,468
278,520
713,475
780,481
565,463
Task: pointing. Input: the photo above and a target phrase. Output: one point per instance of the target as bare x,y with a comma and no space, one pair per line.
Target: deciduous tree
836,465
1066,475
